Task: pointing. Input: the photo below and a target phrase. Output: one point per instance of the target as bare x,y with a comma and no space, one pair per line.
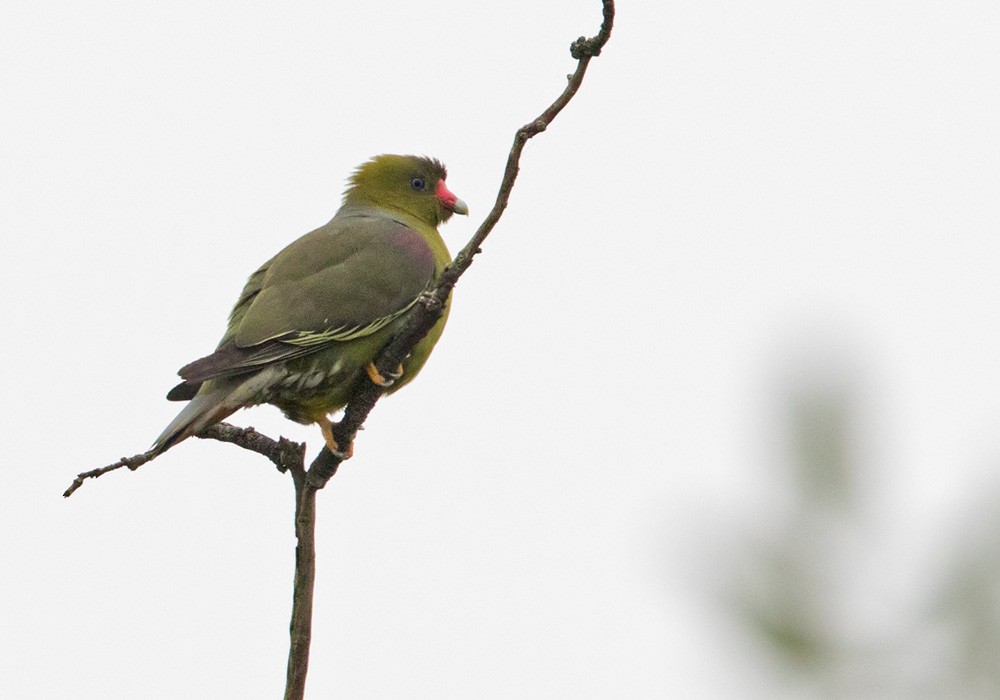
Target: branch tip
584,48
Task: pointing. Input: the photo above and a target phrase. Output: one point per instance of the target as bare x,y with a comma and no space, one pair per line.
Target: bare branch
418,323
300,629
290,456
284,453
132,463
428,310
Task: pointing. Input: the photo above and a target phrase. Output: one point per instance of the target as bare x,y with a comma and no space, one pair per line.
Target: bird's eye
418,184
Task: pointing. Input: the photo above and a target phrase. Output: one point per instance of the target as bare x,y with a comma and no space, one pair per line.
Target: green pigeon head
411,184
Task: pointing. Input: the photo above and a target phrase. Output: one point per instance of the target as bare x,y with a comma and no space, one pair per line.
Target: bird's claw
331,443
341,455
381,380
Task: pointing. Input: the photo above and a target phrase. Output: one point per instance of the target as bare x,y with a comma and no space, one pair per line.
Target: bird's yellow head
412,184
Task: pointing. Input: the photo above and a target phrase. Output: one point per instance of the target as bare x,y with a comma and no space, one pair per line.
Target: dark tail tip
183,392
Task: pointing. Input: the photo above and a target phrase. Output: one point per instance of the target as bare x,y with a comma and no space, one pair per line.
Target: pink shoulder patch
416,248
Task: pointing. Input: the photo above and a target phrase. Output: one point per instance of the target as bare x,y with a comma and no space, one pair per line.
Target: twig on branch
133,463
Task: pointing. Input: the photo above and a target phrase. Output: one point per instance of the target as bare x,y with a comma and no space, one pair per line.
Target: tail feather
216,403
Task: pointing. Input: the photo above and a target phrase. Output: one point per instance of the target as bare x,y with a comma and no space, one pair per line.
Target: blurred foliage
810,593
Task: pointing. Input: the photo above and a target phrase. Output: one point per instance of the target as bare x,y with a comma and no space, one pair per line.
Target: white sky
739,190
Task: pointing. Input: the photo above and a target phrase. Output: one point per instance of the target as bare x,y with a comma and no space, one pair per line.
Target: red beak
449,200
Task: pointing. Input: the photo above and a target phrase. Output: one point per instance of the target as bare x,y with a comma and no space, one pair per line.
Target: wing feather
344,281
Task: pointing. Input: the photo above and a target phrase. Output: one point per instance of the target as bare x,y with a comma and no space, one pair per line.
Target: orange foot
327,429
377,377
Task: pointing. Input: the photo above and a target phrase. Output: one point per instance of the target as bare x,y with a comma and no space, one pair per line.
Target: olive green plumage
312,318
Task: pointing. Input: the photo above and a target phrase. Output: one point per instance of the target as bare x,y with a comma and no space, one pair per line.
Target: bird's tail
215,402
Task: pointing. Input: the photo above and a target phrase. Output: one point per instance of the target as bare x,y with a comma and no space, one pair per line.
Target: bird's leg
382,381
326,427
